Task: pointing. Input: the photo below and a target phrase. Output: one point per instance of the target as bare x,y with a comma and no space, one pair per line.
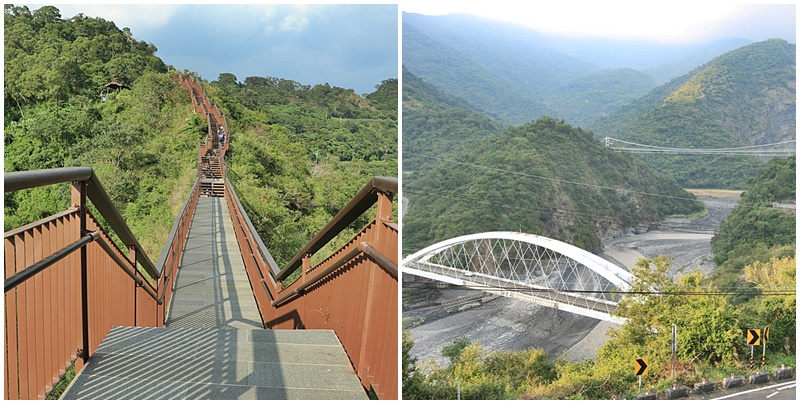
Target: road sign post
753,338
674,348
640,367
764,348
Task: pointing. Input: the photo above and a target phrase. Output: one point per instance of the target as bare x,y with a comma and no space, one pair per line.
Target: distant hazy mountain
742,98
515,74
465,173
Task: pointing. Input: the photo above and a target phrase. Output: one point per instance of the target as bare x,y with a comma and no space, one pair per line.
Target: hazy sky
349,46
671,22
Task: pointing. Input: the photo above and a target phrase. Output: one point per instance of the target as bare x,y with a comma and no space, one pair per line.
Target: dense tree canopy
298,152
745,97
465,174
754,228
59,112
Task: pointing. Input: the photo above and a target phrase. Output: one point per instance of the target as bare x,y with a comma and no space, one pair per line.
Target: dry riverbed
506,324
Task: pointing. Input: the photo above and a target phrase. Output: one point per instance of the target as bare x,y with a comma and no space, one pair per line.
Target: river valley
507,324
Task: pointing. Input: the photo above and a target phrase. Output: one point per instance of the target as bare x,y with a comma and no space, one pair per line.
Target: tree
777,306
453,350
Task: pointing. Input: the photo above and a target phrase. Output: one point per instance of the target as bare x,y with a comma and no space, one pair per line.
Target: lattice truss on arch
519,266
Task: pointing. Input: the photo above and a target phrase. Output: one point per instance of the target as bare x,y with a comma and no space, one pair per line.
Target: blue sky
350,46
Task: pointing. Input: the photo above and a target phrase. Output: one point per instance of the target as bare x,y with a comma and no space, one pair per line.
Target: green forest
755,230
298,152
742,98
465,174
753,288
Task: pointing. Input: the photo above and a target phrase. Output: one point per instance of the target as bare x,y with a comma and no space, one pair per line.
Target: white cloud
288,18
138,17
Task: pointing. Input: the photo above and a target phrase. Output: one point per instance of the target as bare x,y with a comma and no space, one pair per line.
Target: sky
663,22
349,46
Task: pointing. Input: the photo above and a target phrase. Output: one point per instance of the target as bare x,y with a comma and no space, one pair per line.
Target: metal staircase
135,363
212,318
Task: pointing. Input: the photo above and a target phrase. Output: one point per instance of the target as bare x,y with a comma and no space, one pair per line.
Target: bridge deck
213,345
212,289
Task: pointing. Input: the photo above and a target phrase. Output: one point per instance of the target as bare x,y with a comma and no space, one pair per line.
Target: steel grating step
135,363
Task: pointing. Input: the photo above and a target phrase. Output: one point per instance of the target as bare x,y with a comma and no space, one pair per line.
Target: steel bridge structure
527,267
214,317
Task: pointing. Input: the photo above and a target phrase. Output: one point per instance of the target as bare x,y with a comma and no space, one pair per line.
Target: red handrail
353,292
74,289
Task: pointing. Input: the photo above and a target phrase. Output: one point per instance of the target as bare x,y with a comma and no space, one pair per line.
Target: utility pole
674,349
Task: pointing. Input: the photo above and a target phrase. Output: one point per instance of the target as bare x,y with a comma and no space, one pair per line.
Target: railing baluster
10,307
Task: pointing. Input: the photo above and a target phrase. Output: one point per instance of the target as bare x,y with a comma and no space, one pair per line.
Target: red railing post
79,201
132,252
383,213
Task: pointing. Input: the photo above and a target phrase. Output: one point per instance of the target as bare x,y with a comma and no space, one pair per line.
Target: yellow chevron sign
640,367
753,337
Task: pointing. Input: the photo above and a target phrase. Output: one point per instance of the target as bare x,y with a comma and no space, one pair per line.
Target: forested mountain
298,153
755,229
512,73
141,142
745,97
463,174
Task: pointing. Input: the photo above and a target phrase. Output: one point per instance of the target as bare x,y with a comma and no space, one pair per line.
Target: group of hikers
221,133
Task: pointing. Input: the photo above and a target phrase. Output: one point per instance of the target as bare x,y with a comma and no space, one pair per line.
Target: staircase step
173,363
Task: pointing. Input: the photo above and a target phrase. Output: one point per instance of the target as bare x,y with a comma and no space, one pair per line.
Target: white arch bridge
528,267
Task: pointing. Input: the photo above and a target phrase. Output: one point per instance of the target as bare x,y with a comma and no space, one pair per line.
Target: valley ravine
506,324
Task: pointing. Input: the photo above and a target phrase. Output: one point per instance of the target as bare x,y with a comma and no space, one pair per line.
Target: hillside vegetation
298,153
728,93
141,142
745,97
465,174
512,73
755,230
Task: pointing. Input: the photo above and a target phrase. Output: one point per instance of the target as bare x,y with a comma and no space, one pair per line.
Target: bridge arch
527,266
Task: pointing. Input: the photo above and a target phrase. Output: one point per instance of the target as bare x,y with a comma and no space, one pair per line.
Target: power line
619,190
755,150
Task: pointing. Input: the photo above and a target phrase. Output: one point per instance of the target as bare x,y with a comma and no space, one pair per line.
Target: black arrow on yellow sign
640,367
754,337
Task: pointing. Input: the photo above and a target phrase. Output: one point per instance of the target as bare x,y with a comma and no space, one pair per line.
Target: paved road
782,391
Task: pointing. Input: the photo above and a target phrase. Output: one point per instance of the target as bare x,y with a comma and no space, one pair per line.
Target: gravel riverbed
507,324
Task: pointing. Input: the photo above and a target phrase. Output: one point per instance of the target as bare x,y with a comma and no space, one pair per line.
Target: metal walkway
137,363
213,345
212,289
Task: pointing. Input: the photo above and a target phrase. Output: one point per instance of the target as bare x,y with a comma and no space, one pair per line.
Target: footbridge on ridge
527,267
214,317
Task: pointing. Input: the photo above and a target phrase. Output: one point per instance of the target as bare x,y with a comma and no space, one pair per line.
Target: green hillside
298,153
543,177
755,230
141,142
745,97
